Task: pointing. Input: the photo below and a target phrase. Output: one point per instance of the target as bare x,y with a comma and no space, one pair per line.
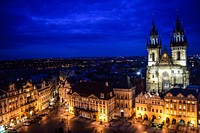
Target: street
59,120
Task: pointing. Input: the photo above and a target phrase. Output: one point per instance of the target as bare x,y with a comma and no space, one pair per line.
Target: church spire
178,25
178,37
153,29
154,40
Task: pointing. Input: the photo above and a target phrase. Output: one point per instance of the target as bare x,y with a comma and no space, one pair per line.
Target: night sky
76,28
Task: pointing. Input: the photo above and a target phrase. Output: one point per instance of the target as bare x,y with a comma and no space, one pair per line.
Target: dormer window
101,95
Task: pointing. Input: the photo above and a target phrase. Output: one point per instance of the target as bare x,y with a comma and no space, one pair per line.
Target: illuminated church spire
178,38
154,40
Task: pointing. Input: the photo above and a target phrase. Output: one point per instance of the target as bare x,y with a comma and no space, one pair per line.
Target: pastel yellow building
64,88
18,103
44,96
149,106
177,106
92,100
181,107
22,100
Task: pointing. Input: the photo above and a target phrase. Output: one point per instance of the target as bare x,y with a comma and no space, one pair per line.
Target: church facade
164,71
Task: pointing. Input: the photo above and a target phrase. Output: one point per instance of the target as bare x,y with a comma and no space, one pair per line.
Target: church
165,70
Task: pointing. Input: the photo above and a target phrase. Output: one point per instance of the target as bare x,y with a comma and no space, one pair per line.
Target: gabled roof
87,89
185,92
123,83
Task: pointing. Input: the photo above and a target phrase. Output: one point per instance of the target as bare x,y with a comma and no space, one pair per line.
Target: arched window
178,55
153,56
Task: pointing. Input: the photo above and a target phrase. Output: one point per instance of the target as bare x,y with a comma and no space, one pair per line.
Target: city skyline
84,28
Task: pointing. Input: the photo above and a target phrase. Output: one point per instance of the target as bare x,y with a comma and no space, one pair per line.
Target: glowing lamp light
138,73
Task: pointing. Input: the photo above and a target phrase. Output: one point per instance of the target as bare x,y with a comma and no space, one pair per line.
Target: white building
165,71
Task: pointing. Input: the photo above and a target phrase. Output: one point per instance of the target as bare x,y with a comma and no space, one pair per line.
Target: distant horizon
82,57
85,28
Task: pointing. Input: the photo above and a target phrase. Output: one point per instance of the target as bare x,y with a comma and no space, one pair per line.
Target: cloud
91,23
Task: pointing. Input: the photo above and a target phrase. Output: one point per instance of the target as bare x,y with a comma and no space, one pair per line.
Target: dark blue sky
74,28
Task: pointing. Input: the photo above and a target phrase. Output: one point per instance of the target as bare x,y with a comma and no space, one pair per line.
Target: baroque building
177,106
165,71
92,100
22,100
181,106
63,88
149,106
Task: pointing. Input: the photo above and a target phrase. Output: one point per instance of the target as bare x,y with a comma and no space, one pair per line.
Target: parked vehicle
26,124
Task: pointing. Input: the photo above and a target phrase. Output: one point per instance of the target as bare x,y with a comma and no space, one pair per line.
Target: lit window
174,112
167,105
171,105
171,112
180,106
184,107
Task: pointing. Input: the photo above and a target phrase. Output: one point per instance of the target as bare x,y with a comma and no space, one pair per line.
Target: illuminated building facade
64,88
92,100
181,107
21,101
177,106
124,98
149,106
165,71
44,95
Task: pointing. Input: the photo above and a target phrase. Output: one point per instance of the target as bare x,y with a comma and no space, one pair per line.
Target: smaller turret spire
153,29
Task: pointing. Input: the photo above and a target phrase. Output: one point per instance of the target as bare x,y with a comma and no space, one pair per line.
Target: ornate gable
75,94
180,95
165,58
169,95
93,96
191,97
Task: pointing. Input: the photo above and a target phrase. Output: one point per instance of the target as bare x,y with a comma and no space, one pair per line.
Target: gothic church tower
178,45
153,46
165,71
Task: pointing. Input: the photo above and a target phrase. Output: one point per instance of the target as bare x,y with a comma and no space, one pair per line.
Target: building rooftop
88,88
185,92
